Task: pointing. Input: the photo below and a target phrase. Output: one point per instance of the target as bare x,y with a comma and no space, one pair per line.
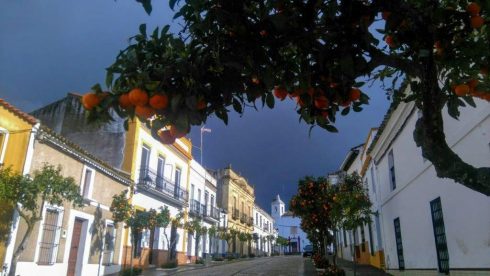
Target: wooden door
75,242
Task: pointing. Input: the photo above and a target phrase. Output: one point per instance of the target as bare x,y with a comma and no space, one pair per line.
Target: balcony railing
161,186
243,218
196,208
212,212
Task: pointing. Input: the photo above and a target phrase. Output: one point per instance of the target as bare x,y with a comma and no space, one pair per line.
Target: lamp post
203,129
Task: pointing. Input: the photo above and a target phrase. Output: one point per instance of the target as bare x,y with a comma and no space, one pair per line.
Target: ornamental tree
28,195
196,228
312,204
235,54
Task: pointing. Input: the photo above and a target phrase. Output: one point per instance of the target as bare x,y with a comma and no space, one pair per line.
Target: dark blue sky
50,48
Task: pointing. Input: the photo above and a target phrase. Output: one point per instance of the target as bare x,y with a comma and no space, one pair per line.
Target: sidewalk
361,270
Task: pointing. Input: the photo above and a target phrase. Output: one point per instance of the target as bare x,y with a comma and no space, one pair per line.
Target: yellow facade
15,135
237,198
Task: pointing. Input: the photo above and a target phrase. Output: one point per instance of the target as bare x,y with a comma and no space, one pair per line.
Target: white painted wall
466,212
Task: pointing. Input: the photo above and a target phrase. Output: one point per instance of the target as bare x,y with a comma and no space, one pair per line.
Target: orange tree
233,54
312,205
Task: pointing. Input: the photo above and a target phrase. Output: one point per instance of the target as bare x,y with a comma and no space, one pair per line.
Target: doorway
76,251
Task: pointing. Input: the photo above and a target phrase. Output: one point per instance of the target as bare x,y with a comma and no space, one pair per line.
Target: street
280,265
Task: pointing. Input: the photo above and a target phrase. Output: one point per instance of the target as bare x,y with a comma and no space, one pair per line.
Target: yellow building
236,197
17,132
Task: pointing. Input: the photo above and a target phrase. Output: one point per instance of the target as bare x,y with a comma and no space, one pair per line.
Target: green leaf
96,88
165,30
142,29
223,115
172,3
330,128
146,5
470,101
109,78
345,111
237,106
269,100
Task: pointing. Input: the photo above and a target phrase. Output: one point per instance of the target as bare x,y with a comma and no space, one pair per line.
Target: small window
178,173
391,165
3,144
49,244
87,182
109,242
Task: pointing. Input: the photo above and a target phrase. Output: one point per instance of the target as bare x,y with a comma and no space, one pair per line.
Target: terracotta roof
26,117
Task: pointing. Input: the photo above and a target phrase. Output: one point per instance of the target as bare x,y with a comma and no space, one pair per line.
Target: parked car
308,250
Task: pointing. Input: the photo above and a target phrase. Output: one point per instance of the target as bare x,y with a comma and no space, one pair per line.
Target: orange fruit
144,111
461,89
321,102
355,94
473,83
477,22
280,93
473,9
201,104
124,101
310,91
390,41
177,133
159,101
263,33
255,80
166,137
138,97
345,103
385,15
90,100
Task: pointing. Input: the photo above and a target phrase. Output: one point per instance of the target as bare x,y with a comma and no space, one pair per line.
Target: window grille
48,246
109,241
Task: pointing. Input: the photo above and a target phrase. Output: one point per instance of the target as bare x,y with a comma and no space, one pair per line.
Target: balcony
162,187
197,209
212,213
243,218
250,222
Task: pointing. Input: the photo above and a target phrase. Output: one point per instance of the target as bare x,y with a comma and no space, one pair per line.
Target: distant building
264,232
236,197
288,226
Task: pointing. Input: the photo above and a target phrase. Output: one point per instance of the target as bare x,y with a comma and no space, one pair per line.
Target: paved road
279,265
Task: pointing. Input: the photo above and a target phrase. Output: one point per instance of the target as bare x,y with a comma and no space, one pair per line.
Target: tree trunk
20,249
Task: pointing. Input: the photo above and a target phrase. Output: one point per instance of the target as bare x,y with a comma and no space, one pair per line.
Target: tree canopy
233,54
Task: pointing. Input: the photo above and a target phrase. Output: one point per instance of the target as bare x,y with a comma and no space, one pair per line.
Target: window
399,244
345,238
372,179
391,165
87,182
3,144
144,162
160,171
48,246
371,245
212,200
256,218
109,241
363,239
199,195
178,173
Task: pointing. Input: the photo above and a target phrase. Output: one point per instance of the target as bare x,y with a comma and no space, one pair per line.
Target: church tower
277,208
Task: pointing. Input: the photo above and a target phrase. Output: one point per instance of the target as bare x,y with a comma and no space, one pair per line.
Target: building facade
17,135
425,224
236,197
264,232
203,208
69,240
288,226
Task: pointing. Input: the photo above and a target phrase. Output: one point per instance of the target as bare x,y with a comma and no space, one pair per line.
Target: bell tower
277,208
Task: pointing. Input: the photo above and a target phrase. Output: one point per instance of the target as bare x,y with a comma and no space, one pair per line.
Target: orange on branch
138,97
176,132
385,15
144,111
201,104
124,101
159,101
355,94
255,80
166,137
390,41
473,83
477,22
90,100
321,102
280,93
461,89
473,9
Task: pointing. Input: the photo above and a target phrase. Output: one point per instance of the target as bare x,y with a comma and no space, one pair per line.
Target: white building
263,232
288,226
202,206
425,222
